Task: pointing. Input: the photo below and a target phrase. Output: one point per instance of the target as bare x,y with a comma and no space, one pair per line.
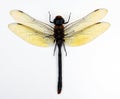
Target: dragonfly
60,33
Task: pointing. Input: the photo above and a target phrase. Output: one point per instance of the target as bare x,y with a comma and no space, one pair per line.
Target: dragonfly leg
68,18
64,49
50,17
54,49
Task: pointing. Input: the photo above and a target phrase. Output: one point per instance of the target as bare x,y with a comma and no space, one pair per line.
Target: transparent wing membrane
30,35
88,20
87,34
27,20
76,33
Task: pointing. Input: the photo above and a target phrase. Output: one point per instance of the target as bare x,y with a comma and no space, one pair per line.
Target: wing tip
13,25
102,9
15,11
10,26
106,24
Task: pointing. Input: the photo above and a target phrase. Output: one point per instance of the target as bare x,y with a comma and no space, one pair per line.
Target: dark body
59,42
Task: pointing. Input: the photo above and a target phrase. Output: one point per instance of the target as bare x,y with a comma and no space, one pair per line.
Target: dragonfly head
58,20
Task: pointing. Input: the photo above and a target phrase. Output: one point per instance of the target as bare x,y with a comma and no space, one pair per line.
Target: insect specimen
76,33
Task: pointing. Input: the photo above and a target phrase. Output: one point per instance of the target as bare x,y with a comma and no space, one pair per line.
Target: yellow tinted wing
88,20
30,35
29,21
87,34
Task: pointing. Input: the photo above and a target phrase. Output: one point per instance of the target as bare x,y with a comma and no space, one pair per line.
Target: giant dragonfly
76,33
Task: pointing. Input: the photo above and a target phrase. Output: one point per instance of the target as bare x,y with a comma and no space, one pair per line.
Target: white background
91,71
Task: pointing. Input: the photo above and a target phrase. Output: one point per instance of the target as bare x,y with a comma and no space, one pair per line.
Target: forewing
29,21
88,20
87,34
30,35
